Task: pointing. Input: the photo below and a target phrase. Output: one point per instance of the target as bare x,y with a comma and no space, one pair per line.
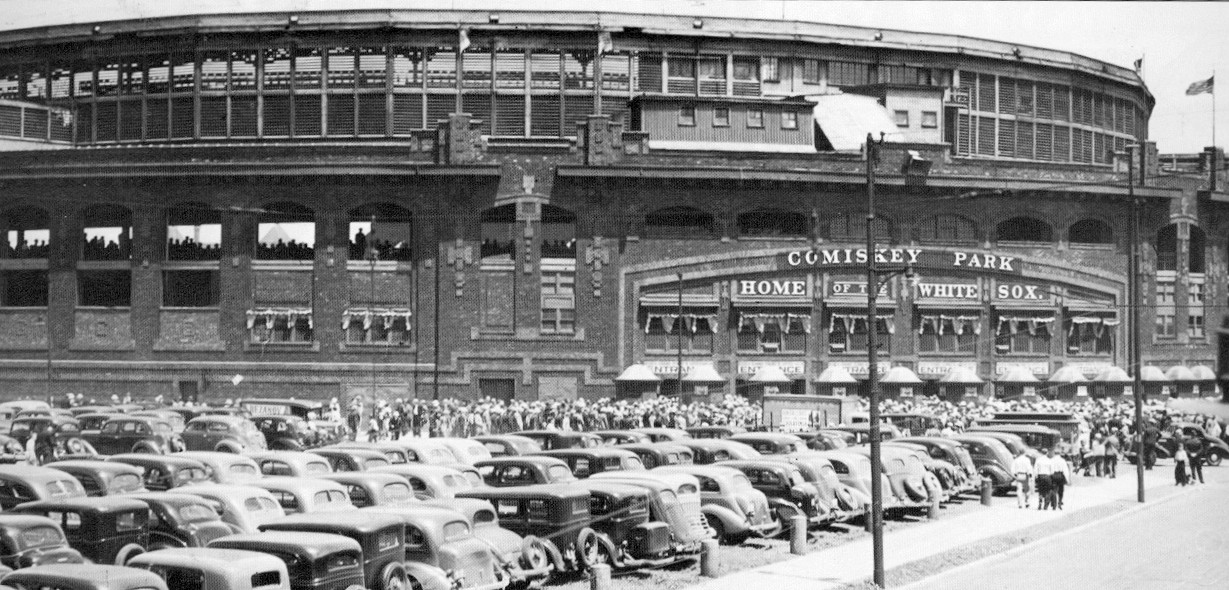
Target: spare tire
533,553
393,577
916,489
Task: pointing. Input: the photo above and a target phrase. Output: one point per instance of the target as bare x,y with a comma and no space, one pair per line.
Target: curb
1059,535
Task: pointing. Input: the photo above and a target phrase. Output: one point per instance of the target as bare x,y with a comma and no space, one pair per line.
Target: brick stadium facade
344,203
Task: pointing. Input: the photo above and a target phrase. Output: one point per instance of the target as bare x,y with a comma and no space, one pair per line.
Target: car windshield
63,488
162,428
372,463
243,469
795,478
191,474
67,427
741,483
317,468
443,456
259,504
474,479
634,464
397,492
456,531
560,473
197,513
456,481
40,536
125,482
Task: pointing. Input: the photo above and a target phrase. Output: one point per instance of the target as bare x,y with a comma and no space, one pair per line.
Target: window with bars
986,93
850,227
1166,309
662,332
281,329
780,333
810,71
1090,335
1007,139
1007,95
847,333
770,69
382,331
948,228
558,292
948,333
1023,335
1195,310
985,136
845,73
755,118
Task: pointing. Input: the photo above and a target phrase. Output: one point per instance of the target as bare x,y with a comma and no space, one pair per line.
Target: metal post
679,325
798,534
1133,302
47,326
600,577
710,561
872,362
372,254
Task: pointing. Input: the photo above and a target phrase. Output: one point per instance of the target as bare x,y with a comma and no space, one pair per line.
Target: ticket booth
1068,384
637,382
1156,385
1184,381
768,380
900,383
1018,383
961,384
702,383
1110,383
836,381
1205,381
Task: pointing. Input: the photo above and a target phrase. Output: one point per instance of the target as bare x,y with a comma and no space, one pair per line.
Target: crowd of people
97,248
24,249
190,249
362,246
283,250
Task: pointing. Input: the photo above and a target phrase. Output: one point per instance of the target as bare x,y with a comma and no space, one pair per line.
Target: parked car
110,529
913,423
181,520
466,450
290,463
622,534
222,411
103,478
1013,442
551,440
68,440
381,538
623,437
432,482
226,434
505,445
951,479
163,472
827,440
368,488
834,497
91,423
1038,438
732,507
314,561
524,470
586,462
242,507
343,459
788,492
442,552
709,451
1167,445
992,458
285,432
949,450
862,430
771,443
554,513
224,467
129,434
11,450
430,451
26,483
854,471
201,568
29,540
281,407
395,453
662,453
298,495
9,410
665,434
84,577
175,419
906,477
715,431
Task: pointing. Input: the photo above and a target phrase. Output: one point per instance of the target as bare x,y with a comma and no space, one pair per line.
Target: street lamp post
1133,302
872,361
678,324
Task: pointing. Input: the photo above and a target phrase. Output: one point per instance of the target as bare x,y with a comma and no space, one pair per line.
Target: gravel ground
753,553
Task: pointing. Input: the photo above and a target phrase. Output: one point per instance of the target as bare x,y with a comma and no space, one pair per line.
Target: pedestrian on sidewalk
1151,436
1109,463
1043,469
1022,470
1092,461
1180,476
1060,475
1197,452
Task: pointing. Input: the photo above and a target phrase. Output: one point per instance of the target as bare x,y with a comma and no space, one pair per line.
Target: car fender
285,444
730,520
146,447
556,556
428,576
785,509
996,473
228,446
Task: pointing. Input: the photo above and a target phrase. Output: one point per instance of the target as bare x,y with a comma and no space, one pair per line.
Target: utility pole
872,360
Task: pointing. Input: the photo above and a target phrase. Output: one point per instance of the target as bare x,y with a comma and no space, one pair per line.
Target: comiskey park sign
845,257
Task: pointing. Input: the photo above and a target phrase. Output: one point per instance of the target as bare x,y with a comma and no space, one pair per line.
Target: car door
107,442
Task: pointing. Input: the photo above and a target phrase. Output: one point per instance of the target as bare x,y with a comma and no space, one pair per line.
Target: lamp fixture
698,24
879,36
493,18
293,20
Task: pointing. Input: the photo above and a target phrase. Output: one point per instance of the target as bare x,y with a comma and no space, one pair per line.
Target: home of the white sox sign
844,257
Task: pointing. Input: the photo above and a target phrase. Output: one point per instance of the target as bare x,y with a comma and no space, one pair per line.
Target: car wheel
1214,459
591,551
718,528
127,552
533,553
393,577
75,446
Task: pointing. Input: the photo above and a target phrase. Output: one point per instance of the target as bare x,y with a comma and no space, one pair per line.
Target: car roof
99,504
348,451
421,515
618,489
221,490
98,576
544,460
765,436
1030,428
668,478
216,558
307,543
294,403
352,520
176,500
928,440
227,418
354,477
591,452
298,457
26,521
32,474
514,438
214,457
417,470
551,490
720,472
757,463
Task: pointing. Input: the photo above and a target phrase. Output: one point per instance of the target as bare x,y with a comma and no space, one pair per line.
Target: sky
1180,42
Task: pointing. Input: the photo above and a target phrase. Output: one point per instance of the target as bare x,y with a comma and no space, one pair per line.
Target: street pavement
1178,543
852,563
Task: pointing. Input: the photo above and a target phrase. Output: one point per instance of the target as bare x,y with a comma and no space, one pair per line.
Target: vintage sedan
26,483
395,453
551,440
225,467
381,538
789,494
637,523
181,520
432,482
104,478
175,419
524,470
771,443
369,488
821,472
289,433
733,508
907,477
430,451
291,463
715,431
466,450
226,434
342,459
11,450
665,434
129,434
709,451
623,437
586,462
951,479
163,472
281,407
84,577
110,529
854,470
298,495
91,423
28,540
201,568
660,454
946,449
242,507
314,561
69,440
442,552
11,409
508,445
553,513
861,431
992,458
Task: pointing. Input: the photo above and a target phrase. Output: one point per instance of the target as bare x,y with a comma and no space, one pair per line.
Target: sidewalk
852,562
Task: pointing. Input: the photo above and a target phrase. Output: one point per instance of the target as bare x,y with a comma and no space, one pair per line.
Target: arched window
948,228
678,223
851,227
26,233
1167,248
499,233
1024,229
106,233
382,231
193,232
558,232
1090,231
286,231
772,222
1197,262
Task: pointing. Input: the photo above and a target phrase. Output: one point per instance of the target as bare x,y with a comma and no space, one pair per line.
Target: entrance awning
900,376
1067,374
638,374
1152,375
836,376
705,373
961,375
1180,373
1112,375
770,374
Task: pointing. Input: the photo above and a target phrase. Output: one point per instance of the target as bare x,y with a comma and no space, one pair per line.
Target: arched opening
27,233
1024,229
558,232
1167,248
1090,231
851,227
381,231
286,231
499,233
1198,251
949,229
193,232
679,223
768,222
106,233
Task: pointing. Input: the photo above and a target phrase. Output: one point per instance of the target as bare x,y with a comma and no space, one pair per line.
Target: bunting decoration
783,321
268,316
387,317
691,322
956,324
1014,324
853,323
